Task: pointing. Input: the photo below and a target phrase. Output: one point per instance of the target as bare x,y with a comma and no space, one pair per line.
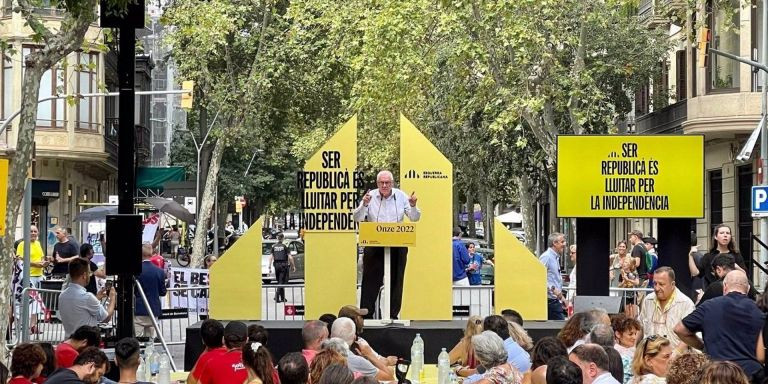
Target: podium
387,235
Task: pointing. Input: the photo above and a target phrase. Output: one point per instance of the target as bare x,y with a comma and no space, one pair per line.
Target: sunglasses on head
648,340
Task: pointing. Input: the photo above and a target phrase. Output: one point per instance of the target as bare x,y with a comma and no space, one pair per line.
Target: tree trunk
528,210
206,204
471,213
488,217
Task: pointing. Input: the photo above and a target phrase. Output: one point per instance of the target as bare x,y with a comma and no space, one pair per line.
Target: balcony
667,120
111,129
726,115
654,13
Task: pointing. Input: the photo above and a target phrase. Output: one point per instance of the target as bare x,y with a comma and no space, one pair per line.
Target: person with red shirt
212,332
67,351
228,368
26,363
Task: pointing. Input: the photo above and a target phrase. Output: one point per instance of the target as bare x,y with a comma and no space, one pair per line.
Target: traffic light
186,98
703,41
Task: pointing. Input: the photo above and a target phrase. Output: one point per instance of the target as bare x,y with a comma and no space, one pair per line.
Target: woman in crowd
336,374
50,363
545,349
685,368
322,360
26,363
572,277
127,354
490,352
723,372
463,353
627,331
520,336
475,264
651,360
616,261
573,330
563,371
722,243
258,362
630,279
615,364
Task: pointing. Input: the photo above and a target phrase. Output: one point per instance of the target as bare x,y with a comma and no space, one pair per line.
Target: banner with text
196,300
654,176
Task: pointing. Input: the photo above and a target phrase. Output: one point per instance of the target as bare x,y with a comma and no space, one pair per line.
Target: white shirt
77,307
390,209
605,378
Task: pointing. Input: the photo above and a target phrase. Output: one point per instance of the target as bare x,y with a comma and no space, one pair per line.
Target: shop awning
155,177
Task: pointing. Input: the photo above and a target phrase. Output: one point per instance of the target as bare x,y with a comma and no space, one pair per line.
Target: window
715,199
51,113
6,83
724,25
680,73
87,107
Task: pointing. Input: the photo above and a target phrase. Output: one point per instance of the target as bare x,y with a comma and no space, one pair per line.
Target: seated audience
723,372
492,354
89,367
573,330
650,364
512,316
367,362
560,370
212,333
685,369
602,335
83,337
462,353
615,365
293,368
50,363
593,361
322,360
520,336
313,333
336,374
228,368
127,354
258,363
546,349
26,363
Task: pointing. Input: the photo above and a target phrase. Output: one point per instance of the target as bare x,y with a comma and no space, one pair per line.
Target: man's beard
92,379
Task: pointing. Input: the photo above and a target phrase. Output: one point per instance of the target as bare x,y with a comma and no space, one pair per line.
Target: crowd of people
663,336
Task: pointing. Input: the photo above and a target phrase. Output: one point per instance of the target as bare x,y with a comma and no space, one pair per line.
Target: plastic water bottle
452,379
164,375
443,367
417,359
152,360
141,373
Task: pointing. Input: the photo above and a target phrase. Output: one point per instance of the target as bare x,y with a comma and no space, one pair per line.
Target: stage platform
285,337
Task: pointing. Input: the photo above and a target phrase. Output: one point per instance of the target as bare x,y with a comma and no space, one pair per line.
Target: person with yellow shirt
37,263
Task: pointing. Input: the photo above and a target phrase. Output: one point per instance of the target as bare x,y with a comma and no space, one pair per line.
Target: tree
56,43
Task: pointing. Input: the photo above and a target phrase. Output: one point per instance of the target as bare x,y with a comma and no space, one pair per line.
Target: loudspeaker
123,248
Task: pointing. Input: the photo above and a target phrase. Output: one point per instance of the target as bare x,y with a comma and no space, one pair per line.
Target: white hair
344,328
384,173
489,349
336,344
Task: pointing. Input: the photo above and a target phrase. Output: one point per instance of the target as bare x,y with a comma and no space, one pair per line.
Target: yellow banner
3,193
388,234
630,176
231,298
329,194
427,292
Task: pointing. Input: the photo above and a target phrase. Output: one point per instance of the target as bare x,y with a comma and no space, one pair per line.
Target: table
430,375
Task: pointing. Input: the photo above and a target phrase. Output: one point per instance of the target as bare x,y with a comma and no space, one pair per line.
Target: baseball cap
351,311
237,329
637,233
650,240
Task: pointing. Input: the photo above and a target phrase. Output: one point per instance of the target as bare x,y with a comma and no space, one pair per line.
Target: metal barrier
43,307
477,298
182,307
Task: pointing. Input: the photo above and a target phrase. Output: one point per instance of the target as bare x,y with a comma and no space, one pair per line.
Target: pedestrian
572,277
460,260
388,205
283,262
78,307
730,326
551,260
639,253
37,263
630,279
616,261
722,264
64,251
86,252
665,307
152,282
651,258
475,265
175,238
722,242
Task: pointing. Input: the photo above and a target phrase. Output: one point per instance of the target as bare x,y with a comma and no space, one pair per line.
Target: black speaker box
123,244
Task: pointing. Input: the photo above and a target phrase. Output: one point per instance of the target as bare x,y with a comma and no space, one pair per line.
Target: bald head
735,281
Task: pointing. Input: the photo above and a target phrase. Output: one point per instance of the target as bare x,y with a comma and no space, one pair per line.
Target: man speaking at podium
384,205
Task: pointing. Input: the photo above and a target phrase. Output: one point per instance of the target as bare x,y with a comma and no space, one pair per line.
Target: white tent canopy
511,217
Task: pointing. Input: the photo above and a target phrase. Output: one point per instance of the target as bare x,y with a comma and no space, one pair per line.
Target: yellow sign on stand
630,176
3,193
388,234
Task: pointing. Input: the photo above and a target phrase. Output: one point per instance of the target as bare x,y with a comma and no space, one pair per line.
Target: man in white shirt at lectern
385,204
